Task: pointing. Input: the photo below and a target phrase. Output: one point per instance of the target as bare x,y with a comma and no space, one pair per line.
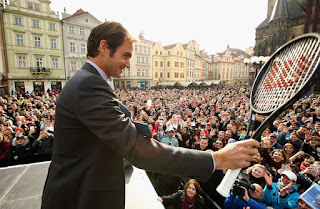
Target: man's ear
103,46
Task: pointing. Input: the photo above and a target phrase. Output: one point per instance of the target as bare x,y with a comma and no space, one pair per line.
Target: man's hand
285,189
236,155
246,195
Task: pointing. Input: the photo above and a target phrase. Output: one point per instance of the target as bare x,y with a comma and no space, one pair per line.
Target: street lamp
256,62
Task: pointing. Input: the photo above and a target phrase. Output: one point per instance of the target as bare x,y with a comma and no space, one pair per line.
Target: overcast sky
212,23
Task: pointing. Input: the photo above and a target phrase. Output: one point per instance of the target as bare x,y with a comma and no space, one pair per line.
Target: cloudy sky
212,23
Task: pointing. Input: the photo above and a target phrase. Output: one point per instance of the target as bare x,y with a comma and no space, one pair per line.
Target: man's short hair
112,32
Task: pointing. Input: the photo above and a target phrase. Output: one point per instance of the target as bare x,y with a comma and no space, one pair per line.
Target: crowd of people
205,119
26,127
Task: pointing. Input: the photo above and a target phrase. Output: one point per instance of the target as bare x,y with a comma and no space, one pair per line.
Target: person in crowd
303,205
281,194
170,139
273,139
204,143
256,174
189,197
251,199
218,144
20,151
4,149
289,149
295,141
42,146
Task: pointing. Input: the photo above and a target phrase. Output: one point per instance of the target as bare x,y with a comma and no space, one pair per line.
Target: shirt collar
101,72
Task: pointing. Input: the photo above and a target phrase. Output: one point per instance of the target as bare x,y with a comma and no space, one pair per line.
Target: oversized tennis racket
283,79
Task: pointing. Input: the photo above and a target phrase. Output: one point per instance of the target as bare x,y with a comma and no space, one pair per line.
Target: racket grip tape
227,182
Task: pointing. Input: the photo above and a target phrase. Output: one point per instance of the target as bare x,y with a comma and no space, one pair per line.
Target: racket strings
286,74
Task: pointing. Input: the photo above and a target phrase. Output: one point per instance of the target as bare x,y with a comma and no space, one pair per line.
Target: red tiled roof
169,46
79,11
184,46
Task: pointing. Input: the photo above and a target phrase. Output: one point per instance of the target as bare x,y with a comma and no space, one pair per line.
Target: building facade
76,30
190,60
140,72
231,67
34,46
286,19
175,62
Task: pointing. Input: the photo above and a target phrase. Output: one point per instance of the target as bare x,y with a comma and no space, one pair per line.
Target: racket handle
227,182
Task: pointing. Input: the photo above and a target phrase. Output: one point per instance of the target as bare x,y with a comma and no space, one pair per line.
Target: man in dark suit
92,135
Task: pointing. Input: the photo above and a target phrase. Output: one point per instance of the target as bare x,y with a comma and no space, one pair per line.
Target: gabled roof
80,12
264,23
184,46
286,9
170,46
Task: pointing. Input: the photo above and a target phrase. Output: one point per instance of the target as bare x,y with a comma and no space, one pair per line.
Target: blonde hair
249,170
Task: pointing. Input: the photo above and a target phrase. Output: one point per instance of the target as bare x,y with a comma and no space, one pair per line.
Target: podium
22,186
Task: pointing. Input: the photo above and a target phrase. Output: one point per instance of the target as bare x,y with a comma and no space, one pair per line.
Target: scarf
187,202
289,191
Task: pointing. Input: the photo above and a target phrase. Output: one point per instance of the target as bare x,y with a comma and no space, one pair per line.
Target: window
138,59
148,50
22,61
82,48
181,75
19,39
177,53
37,7
142,72
71,29
181,64
73,66
82,32
54,62
176,75
139,48
30,5
168,75
168,64
156,52
36,24
161,75
176,64
168,52
156,74
144,49
128,72
52,26
142,59
87,20
138,72
161,64
18,20
53,43
39,62
147,72
147,60
37,41
135,48
156,63
72,47
160,52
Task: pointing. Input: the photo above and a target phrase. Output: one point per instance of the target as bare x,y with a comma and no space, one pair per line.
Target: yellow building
34,46
175,67
158,66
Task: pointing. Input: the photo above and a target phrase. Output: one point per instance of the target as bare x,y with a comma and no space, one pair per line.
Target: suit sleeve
98,109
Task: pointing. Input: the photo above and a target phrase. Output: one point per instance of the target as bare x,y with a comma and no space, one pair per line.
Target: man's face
203,144
170,134
303,205
285,180
121,59
258,193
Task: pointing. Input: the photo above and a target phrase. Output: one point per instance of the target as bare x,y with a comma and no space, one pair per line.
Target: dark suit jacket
92,136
